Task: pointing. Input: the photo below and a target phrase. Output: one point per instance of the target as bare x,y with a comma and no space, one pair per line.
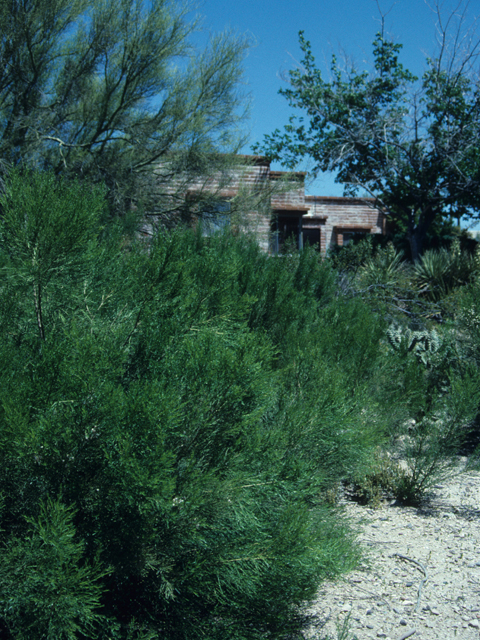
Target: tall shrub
175,425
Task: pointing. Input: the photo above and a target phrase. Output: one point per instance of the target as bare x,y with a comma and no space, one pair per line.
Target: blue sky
331,26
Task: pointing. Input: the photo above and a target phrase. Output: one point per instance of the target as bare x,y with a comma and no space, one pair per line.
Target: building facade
273,204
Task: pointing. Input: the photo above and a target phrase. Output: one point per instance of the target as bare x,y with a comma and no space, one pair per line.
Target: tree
411,143
108,89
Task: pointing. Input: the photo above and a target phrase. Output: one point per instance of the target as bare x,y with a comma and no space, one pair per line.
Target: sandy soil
421,575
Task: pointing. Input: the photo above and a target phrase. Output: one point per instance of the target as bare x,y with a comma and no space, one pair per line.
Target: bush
180,411
432,396
48,590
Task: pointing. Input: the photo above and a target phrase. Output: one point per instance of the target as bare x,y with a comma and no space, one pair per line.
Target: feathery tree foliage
411,143
107,89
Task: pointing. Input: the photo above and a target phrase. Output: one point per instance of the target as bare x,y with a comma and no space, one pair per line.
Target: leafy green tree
411,143
108,89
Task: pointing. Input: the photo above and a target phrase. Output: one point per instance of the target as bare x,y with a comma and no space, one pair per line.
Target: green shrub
384,269
174,418
434,399
181,414
47,590
349,258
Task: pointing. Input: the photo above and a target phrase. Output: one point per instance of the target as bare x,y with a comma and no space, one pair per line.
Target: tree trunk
417,231
415,245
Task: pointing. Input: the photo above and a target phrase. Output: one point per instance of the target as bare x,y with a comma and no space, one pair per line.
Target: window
311,237
286,230
350,234
216,218
353,237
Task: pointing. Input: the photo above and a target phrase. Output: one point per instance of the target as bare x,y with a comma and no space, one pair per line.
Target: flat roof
338,199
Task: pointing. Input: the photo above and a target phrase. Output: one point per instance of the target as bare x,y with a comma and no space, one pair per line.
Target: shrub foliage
172,418
175,418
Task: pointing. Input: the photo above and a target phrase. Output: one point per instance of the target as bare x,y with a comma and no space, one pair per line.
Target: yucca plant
439,272
385,268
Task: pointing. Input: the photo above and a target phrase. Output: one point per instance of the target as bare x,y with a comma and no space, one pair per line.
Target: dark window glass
286,231
216,218
311,237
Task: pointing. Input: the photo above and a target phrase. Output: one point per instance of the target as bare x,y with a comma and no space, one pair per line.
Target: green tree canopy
108,89
410,142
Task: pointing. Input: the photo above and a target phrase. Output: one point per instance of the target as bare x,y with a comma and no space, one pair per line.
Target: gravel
421,575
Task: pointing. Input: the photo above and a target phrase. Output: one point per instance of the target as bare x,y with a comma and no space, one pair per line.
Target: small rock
409,584
369,612
474,623
403,622
381,634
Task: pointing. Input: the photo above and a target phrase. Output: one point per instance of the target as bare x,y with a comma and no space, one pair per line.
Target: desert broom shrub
431,447
185,406
47,590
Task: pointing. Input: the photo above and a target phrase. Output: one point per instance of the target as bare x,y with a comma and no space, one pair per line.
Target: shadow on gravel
437,511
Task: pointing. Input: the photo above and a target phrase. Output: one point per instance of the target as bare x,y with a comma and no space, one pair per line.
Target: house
274,205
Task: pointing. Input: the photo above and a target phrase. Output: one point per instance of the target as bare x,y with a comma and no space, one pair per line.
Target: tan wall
255,172
285,194
344,215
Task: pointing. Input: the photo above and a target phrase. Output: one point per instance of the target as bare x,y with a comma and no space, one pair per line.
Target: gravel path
421,577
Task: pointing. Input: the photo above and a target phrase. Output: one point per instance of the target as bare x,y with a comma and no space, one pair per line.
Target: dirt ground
421,574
